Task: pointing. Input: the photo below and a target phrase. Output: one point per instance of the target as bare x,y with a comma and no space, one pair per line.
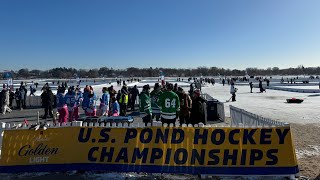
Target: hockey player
104,102
62,106
86,99
169,104
251,86
79,99
233,91
70,99
145,105
115,107
154,98
261,87
91,105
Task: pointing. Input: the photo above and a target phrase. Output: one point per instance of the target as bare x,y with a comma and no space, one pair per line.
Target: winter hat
170,86
146,87
156,85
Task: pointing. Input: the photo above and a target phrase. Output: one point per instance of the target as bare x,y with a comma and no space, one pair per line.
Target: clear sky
42,34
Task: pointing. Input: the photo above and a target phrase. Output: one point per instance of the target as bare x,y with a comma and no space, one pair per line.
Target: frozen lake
271,104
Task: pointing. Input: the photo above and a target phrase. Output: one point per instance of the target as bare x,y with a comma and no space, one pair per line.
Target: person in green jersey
169,104
145,104
154,98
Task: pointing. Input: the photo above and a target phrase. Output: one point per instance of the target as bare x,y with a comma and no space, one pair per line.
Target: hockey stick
229,99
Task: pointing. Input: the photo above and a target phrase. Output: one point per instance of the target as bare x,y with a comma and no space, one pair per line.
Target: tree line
63,72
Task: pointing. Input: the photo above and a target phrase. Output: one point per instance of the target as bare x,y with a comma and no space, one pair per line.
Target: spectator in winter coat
23,92
118,95
5,99
47,101
175,88
115,107
134,94
197,111
17,97
22,97
191,91
104,102
124,99
185,106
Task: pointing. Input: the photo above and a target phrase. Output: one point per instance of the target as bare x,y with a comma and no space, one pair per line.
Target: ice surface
271,104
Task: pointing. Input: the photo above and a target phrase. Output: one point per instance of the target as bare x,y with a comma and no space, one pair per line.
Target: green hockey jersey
169,104
154,99
144,104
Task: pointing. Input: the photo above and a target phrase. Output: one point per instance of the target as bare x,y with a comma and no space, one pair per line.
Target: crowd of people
171,103
164,103
8,95
68,102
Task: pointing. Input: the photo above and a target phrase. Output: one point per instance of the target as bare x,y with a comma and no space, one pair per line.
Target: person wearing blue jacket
86,99
91,105
115,108
104,102
70,99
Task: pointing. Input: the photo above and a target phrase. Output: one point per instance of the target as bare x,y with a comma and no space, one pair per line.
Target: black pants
24,102
168,121
123,109
47,110
10,102
133,101
147,119
157,116
18,104
233,96
184,119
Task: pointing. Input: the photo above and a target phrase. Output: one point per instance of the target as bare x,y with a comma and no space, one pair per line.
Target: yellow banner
157,146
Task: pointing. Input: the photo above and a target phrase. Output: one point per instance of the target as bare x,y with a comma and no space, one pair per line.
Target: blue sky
42,34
